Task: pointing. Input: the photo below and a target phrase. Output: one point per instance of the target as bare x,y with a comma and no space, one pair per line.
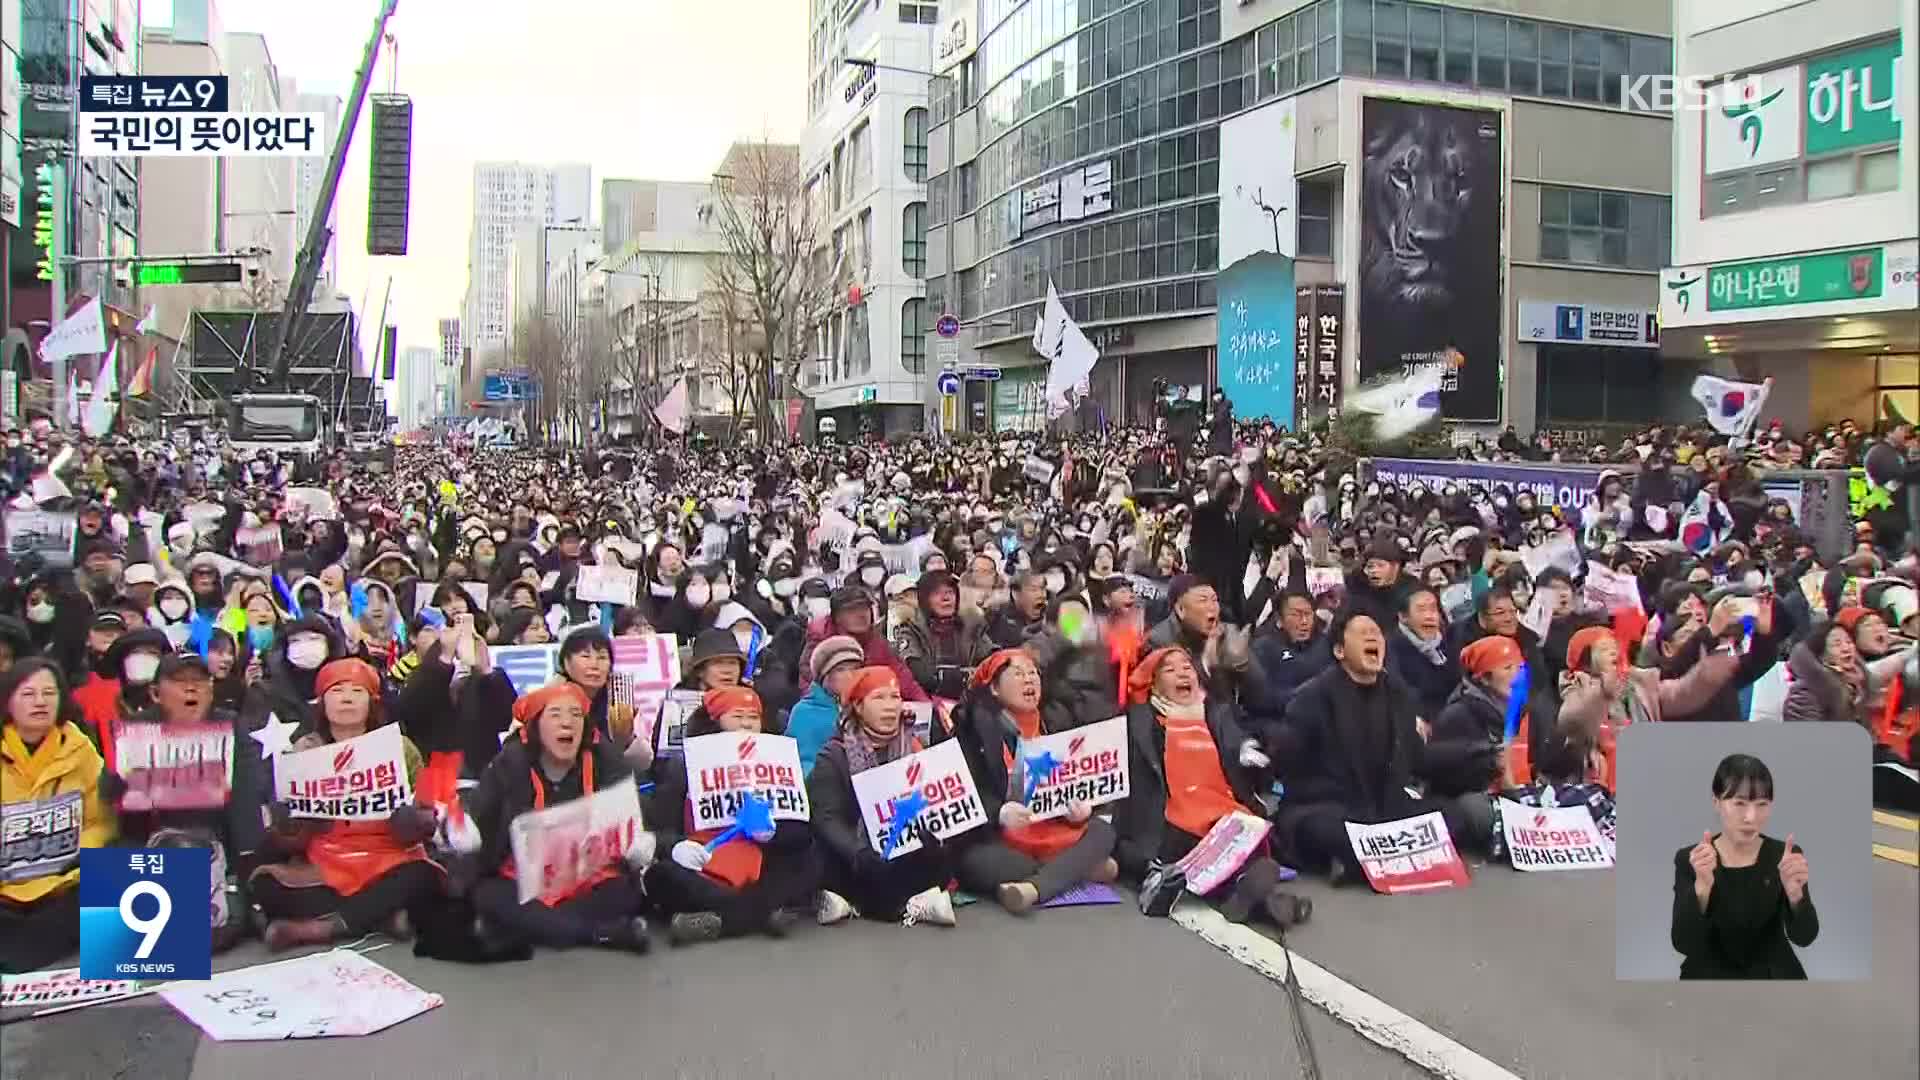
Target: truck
292,425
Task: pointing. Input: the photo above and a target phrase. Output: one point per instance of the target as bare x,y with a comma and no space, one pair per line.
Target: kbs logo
1695,93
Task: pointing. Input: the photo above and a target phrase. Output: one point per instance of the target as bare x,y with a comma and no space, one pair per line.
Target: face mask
307,654
1056,582
40,613
260,637
699,595
819,607
745,640
173,607
873,575
722,592
786,586
499,536
140,668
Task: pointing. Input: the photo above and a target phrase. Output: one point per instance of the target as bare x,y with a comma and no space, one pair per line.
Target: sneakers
628,934
693,927
1018,897
1164,885
832,909
933,907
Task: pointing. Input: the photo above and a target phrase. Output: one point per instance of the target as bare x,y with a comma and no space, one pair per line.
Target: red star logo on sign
343,759
746,749
913,775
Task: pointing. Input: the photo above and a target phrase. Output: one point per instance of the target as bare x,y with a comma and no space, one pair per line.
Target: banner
1223,851
723,767
40,837
48,534
605,584
362,779
49,989
1319,370
1567,487
324,994
645,671
1430,270
82,333
941,776
173,766
558,849
1553,838
1091,768
1413,854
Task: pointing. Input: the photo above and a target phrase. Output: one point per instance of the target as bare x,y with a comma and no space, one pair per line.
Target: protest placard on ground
723,767
941,777
558,849
606,584
324,994
1223,851
1554,838
40,836
174,766
361,779
47,989
1089,766
48,534
1413,854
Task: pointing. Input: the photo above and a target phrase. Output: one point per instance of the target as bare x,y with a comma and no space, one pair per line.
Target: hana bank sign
1693,93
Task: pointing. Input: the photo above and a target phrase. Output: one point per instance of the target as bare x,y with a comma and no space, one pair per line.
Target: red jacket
878,654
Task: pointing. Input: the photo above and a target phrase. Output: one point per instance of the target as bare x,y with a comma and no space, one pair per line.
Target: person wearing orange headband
558,756
748,885
911,886
1600,693
1463,759
365,875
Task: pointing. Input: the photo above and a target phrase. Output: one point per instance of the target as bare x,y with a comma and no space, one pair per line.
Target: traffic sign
983,374
948,383
206,273
946,352
947,325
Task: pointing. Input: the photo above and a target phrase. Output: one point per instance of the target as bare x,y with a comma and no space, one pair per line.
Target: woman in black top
1740,899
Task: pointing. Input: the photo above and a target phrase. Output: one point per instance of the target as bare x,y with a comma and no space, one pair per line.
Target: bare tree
537,347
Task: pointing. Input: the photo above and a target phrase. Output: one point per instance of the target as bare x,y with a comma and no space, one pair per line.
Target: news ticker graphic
146,913
153,93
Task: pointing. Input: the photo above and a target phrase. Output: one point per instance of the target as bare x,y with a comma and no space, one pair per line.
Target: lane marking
1375,1020
1895,821
1899,855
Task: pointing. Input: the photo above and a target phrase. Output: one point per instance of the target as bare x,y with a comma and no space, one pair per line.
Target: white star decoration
275,737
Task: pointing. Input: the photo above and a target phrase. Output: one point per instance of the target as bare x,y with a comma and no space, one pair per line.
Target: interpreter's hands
1251,756
691,854
1078,812
1015,815
1705,861
640,853
1793,874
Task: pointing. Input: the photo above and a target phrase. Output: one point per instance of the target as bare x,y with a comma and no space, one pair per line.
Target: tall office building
309,171
446,378
417,403
507,195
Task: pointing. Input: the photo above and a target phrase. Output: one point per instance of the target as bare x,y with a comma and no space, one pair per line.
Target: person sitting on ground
851,613
815,719
940,643
1223,654
1417,651
1599,695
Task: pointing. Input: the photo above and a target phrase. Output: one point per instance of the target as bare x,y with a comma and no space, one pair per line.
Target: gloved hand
113,786
462,837
1251,756
1015,815
640,853
412,824
691,854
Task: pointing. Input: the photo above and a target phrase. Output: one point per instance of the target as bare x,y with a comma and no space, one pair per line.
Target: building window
1592,384
913,239
1604,228
1315,220
922,14
913,153
913,336
860,161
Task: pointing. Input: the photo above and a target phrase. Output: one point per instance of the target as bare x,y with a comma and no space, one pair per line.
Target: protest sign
1611,590
919,715
940,775
559,849
324,994
315,504
1223,851
606,584
1539,616
527,667
1089,766
1322,580
1037,469
48,534
645,671
1553,838
362,779
39,837
1413,854
47,989
724,767
174,766
670,733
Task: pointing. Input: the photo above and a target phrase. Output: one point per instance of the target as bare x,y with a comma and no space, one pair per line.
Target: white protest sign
317,504
1553,838
670,731
174,766
606,584
1090,768
1413,854
645,671
1223,851
47,533
1539,616
362,779
1561,551
920,716
527,667
561,848
311,997
45,989
1322,580
1611,590
941,776
723,767
1037,469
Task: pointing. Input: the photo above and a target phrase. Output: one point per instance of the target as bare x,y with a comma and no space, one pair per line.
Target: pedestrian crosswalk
1896,837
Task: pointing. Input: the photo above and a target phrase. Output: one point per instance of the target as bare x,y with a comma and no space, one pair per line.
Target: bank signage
1879,277
1587,324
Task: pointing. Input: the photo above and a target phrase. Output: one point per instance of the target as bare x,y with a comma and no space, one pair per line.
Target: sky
651,89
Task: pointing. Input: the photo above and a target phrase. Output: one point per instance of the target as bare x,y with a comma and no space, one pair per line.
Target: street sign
946,352
948,383
947,325
869,394
982,374
210,273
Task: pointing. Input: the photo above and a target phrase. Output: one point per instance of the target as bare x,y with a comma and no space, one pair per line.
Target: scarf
863,755
1429,649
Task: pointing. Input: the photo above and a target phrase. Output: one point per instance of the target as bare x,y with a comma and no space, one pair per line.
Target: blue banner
1569,487
1256,361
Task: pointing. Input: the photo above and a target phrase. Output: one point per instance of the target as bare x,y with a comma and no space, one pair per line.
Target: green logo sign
1803,279
1748,113
1853,98
1682,287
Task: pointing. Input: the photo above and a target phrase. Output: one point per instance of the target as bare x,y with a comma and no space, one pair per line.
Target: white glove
1251,757
1015,815
691,854
462,836
640,853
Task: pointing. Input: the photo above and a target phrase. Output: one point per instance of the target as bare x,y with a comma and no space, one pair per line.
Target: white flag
151,322
1071,356
672,411
81,333
1731,407
1403,404
73,398
102,406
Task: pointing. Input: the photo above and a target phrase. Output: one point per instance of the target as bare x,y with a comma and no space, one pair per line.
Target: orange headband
869,679
529,707
1580,647
726,699
350,671
991,667
1140,680
1488,653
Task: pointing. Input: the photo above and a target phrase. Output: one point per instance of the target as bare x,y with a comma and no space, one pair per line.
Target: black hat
850,596
715,644
1386,547
934,580
173,664
108,619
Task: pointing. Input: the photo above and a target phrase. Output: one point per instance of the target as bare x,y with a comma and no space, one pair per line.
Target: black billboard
1430,216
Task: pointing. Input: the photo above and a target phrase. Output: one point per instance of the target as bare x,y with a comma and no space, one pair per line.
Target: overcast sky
653,89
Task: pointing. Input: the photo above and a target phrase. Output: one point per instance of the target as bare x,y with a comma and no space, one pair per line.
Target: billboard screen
1257,246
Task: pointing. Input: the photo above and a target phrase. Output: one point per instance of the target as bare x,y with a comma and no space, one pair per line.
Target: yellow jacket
66,764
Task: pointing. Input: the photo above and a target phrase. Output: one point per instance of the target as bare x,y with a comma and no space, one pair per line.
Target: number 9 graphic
149,929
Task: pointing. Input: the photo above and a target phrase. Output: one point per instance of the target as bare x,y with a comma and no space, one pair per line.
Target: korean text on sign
174,766
160,134
1413,854
153,93
558,850
1223,851
941,777
40,837
1091,768
362,779
724,767
1553,838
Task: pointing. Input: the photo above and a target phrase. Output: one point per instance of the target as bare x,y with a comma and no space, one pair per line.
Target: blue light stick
906,808
755,818
357,599
1516,702
1039,767
288,602
1746,634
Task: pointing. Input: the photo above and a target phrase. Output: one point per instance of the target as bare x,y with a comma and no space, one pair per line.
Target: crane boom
306,269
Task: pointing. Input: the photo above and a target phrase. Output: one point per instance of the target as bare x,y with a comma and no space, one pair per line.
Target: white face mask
307,653
722,592
40,613
745,640
818,607
1056,582
140,668
874,575
173,607
699,595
